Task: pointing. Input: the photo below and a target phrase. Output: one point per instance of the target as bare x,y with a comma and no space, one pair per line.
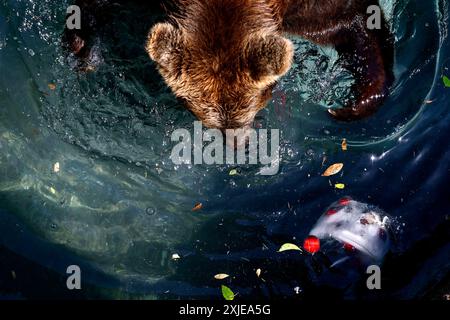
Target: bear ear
269,57
162,40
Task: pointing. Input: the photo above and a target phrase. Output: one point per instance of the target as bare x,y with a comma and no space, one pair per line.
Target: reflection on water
118,204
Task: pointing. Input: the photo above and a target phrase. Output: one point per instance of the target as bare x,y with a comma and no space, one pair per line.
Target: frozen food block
357,226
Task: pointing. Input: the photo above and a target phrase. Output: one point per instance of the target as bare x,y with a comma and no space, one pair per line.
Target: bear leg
79,42
368,55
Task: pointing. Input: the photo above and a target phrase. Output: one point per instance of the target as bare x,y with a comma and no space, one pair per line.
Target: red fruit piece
331,212
348,247
311,244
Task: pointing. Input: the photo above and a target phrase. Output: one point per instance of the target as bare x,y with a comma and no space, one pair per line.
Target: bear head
222,58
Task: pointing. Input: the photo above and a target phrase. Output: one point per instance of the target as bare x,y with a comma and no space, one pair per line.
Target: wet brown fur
223,57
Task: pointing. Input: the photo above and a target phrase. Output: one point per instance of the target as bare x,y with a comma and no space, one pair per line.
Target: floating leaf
288,247
176,256
227,293
333,169
233,172
56,167
446,81
339,186
258,272
52,86
221,276
344,145
197,207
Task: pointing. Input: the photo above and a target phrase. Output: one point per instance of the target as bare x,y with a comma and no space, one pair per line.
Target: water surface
120,208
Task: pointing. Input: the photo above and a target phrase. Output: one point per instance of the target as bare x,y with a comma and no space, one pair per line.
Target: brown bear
223,57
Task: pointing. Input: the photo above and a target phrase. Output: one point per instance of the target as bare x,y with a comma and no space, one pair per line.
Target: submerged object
360,228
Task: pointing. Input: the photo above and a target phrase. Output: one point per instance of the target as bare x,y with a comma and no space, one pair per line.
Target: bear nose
235,124
237,138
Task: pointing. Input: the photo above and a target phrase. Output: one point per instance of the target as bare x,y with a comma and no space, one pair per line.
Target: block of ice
357,225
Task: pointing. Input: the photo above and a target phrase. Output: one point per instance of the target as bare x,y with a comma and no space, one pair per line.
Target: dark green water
119,208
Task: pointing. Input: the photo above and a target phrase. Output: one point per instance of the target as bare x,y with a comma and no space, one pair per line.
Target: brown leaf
52,86
333,169
344,145
197,207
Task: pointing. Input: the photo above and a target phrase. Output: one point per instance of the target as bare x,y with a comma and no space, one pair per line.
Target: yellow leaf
288,247
221,276
333,169
339,186
233,172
